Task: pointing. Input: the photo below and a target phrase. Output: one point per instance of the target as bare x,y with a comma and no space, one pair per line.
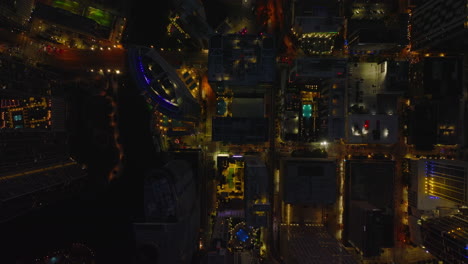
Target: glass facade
447,238
446,181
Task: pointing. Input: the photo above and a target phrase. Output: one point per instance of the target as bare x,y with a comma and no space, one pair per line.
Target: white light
117,71
385,132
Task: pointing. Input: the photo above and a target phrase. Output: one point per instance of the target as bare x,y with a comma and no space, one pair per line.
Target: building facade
447,179
438,21
446,238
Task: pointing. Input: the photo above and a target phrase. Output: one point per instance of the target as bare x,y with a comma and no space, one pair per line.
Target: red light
366,124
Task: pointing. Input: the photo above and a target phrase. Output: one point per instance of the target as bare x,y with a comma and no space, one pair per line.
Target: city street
298,113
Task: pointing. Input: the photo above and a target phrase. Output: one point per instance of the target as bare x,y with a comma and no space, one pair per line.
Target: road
40,170
35,51
76,60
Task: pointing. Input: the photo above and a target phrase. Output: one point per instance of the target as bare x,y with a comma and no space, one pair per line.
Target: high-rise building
366,228
382,129
378,191
242,60
78,24
447,238
172,214
318,35
16,13
256,192
162,87
240,70
35,157
308,181
317,87
422,194
447,179
436,22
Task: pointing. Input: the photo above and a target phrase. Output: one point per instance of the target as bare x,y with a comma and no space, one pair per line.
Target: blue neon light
170,105
242,235
144,75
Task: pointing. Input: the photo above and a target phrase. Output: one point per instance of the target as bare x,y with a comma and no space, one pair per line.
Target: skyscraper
447,179
35,154
447,238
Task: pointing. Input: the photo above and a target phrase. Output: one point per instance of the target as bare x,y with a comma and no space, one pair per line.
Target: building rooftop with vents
241,59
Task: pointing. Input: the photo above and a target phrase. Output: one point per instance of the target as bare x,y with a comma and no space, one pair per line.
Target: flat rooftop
310,24
308,180
372,181
241,59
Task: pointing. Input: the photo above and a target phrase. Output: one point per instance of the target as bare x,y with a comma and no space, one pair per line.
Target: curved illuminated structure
161,85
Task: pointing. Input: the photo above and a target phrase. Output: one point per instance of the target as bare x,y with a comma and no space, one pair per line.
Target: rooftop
241,59
309,180
310,24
